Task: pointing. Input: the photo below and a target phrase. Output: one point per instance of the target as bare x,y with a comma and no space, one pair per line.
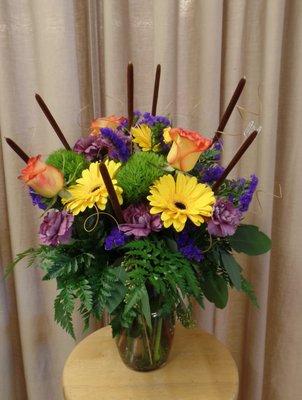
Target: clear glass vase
145,349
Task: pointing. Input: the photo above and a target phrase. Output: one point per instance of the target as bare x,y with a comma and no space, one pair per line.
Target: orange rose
45,179
186,148
105,122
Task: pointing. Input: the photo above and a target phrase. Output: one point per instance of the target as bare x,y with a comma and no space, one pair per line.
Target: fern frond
84,293
64,306
247,288
32,253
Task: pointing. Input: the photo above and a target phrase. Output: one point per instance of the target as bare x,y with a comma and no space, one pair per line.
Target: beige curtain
74,53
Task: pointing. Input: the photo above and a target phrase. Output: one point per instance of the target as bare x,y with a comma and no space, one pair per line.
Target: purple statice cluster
56,228
114,143
225,219
151,120
241,192
211,174
187,246
116,238
236,189
246,197
118,144
218,149
37,199
139,222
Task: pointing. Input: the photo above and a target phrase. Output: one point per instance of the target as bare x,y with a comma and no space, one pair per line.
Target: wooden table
199,368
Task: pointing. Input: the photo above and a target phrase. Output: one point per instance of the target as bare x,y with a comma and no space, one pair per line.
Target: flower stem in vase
136,349
147,339
122,341
157,340
129,347
154,330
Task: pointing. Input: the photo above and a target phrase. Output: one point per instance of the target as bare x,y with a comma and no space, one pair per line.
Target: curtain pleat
283,351
75,54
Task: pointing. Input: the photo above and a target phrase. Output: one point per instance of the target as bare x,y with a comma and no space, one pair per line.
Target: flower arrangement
139,218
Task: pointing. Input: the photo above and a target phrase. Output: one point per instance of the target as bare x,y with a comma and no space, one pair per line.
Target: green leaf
84,293
64,305
134,298
232,267
247,288
249,240
117,290
216,290
116,325
185,314
116,297
146,306
29,252
154,260
171,244
85,314
120,273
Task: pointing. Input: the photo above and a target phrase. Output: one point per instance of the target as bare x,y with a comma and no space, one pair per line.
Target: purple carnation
115,239
56,228
225,219
212,174
37,199
114,143
187,247
139,221
90,146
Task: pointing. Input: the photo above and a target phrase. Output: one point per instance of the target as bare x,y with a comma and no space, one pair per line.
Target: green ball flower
137,175
70,163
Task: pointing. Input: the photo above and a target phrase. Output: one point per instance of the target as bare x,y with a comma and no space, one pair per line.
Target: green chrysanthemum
137,175
70,163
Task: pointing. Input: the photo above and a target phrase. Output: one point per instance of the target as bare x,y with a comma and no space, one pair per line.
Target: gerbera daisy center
180,205
95,188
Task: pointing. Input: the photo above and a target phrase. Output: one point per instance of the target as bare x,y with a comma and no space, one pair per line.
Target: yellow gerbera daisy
181,199
142,135
90,190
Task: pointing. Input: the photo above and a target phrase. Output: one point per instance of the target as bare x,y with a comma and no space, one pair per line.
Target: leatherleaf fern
153,271
84,279
145,276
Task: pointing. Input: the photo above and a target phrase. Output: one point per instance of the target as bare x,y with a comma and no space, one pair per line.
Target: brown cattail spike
17,149
229,109
111,192
156,89
52,121
246,144
130,92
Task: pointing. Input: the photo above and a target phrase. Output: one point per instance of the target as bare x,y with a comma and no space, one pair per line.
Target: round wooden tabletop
199,368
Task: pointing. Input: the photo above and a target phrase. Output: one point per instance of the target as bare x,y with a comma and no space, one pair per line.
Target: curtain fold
74,54
283,351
